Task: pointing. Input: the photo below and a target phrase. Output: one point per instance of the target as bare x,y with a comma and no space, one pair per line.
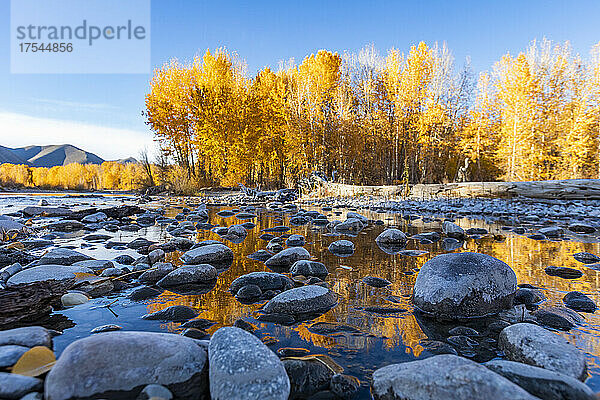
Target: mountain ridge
47,156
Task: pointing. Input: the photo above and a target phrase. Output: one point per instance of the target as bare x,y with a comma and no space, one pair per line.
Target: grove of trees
371,119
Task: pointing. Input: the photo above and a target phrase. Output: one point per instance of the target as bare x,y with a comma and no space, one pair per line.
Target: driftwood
569,189
29,302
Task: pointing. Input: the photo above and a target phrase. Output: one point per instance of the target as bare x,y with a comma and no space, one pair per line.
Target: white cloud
17,130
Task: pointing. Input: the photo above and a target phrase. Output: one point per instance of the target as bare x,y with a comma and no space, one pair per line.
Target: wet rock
586,258
65,226
189,274
155,256
73,299
307,377
195,333
529,296
341,247
46,273
248,293
95,218
540,382
30,336
349,226
213,254
225,213
462,342
266,236
264,280
355,215
531,344
391,237
106,328
279,229
47,211
155,274
303,300
295,241
10,354
452,230
9,224
95,265
376,282
292,352
155,392
557,317
139,243
245,325
287,257
344,386
476,231
464,285
552,231
333,328
144,293
14,386
125,259
443,377
435,347
274,246
127,363
112,272
176,313
62,256
463,331
309,268
236,234
451,244
198,323
563,272
260,255
579,302
242,367
580,227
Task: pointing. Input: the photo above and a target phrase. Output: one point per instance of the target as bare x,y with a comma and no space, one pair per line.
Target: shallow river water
385,339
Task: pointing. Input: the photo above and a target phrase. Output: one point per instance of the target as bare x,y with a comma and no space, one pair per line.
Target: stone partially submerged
464,285
242,367
287,257
311,299
443,377
534,345
46,273
214,254
127,362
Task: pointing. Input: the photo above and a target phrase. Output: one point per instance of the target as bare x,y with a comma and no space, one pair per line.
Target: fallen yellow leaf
35,362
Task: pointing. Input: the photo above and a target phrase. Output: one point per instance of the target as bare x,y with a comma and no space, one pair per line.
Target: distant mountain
128,160
47,156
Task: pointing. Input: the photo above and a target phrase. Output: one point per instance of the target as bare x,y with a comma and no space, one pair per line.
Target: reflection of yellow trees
109,175
527,257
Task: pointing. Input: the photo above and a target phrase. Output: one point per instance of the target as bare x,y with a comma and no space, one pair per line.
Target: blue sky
102,113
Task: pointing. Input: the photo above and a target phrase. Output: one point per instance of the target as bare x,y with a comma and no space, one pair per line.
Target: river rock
540,382
302,300
10,354
46,273
155,256
464,285
557,317
14,386
391,236
295,241
309,268
580,227
29,336
529,296
189,274
155,274
376,281
344,387
443,377
127,363
177,313
9,224
579,302
242,367
341,247
552,231
62,256
73,299
65,226
47,211
452,230
351,225
143,293
264,280
213,254
307,377
95,218
287,257
531,344
563,272
586,258
95,265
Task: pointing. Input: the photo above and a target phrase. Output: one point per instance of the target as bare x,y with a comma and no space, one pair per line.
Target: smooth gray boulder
241,367
540,382
464,285
452,230
302,300
443,377
95,265
29,336
287,257
10,354
212,254
341,247
46,273
307,377
31,211
264,280
95,218
531,344
309,268
14,386
295,241
391,236
176,313
156,273
123,363
351,225
189,274
62,256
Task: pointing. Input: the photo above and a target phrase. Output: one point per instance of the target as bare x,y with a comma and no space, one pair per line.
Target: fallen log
568,189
